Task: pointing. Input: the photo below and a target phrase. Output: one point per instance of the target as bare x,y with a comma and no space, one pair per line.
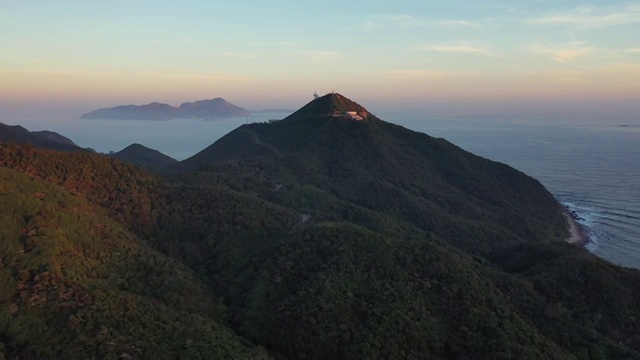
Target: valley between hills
330,234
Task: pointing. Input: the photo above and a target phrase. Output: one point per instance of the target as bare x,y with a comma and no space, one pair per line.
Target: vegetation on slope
130,195
144,157
318,237
75,284
473,203
351,292
41,139
389,214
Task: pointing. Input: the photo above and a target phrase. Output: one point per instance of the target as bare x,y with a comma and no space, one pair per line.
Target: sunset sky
274,53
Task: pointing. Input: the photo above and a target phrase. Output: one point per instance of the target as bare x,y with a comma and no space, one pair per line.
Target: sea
591,166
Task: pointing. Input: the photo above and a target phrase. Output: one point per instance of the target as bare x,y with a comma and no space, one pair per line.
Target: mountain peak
143,156
41,139
332,104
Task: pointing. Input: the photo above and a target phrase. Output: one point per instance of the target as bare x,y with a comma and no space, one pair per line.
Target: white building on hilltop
352,114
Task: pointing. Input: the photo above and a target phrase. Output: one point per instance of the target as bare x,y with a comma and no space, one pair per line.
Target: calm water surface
591,166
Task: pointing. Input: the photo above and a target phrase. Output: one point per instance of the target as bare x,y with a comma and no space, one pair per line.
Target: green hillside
471,202
131,196
399,248
144,157
40,139
317,237
76,284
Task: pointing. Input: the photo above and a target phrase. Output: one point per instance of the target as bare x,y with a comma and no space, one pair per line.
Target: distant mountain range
207,109
40,139
135,153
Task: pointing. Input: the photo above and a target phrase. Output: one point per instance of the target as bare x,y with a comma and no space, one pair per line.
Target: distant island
206,109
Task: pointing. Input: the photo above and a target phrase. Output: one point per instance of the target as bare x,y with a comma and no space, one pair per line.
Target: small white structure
352,114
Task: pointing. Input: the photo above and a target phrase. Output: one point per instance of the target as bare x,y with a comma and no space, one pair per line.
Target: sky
272,54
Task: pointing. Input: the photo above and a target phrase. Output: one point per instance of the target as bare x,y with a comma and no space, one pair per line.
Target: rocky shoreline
577,234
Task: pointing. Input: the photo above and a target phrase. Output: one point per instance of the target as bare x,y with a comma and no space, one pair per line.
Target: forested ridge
315,237
77,284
